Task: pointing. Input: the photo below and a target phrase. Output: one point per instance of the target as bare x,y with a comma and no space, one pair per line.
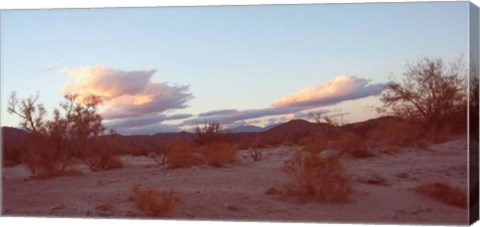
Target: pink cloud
343,88
126,93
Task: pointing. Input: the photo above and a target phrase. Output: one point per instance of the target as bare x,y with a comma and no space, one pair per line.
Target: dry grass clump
154,203
102,160
182,154
218,153
313,144
324,179
403,133
443,192
256,150
353,145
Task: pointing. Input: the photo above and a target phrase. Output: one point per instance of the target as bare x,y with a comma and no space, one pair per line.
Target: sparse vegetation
395,135
256,150
210,133
324,179
68,135
154,203
443,192
353,145
429,93
218,154
182,154
314,144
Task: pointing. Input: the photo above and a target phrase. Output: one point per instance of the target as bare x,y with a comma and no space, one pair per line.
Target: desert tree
211,132
429,92
71,132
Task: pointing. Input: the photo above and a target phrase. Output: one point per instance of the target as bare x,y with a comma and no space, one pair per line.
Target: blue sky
195,60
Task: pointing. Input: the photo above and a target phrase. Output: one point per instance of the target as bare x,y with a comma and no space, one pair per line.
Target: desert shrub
403,133
324,179
256,154
218,154
210,133
102,160
314,144
65,136
154,203
353,145
182,154
443,192
40,159
256,150
437,134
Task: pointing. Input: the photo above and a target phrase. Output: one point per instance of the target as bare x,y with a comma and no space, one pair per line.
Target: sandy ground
237,191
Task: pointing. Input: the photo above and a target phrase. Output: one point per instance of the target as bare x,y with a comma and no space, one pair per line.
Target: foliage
323,178
314,144
57,140
182,154
218,153
354,145
403,133
211,132
154,203
429,92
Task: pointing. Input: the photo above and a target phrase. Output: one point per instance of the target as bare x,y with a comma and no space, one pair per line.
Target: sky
170,68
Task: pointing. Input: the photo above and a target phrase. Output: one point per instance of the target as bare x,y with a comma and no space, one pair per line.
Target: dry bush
256,150
182,154
218,154
256,154
353,145
314,144
154,203
444,192
40,159
436,135
210,133
400,134
102,159
321,178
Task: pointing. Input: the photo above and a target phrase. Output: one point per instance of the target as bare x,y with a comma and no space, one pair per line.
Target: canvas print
326,113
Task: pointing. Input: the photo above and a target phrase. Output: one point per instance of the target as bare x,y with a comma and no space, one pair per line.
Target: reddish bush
313,144
443,192
218,154
102,159
182,154
400,134
152,202
353,145
321,178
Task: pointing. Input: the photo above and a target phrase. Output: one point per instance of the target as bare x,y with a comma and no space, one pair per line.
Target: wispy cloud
127,94
50,67
230,116
331,92
143,121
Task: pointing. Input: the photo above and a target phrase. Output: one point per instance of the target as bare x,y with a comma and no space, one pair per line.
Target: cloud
142,121
331,92
368,109
149,129
217,112
230,116
126,93
50,67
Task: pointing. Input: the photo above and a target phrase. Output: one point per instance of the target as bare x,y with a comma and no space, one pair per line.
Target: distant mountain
248,128
10,134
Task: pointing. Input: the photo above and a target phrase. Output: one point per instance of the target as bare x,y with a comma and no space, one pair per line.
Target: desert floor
382,189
